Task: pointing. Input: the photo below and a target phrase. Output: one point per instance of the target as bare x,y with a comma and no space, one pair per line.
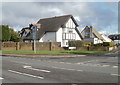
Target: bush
99,44
110,44
75,43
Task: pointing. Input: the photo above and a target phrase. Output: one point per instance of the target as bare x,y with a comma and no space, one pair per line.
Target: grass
51,52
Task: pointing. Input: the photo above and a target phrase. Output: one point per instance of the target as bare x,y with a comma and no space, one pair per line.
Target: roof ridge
55,17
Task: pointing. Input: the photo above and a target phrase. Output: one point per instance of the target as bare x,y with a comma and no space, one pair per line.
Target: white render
63,35
106,39
92,40
48,37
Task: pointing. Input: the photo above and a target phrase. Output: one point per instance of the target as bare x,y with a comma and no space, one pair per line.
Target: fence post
17,45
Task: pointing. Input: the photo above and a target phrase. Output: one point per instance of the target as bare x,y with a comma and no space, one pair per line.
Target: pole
34,38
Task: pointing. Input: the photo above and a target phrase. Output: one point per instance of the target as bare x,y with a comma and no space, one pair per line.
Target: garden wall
48,46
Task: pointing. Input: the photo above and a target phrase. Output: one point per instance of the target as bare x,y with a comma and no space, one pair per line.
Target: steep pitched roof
97,34
94,32
53,24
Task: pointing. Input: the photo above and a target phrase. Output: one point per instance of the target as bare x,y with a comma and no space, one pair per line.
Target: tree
5,32
8,34
14,36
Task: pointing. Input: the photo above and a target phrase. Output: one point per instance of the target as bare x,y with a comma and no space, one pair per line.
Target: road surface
81,69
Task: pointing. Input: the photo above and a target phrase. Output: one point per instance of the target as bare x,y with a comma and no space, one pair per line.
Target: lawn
51,52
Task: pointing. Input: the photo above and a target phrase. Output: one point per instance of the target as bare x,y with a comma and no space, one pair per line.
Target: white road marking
30,67
105,65
1,78
68,63
66,69
80,70
62,62
25,74
27,66
115,75
115,66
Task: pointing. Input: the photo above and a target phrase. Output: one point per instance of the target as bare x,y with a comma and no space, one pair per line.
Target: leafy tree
5,33
14,36
8,34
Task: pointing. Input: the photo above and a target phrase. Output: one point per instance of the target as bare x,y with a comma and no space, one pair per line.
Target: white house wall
49,37
70,24
77,36
59,36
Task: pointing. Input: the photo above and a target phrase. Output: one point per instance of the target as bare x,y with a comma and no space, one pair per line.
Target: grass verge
52,52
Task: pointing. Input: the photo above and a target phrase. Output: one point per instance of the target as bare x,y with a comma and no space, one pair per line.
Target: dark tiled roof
53,24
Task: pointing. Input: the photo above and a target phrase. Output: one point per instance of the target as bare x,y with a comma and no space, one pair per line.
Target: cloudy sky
101,15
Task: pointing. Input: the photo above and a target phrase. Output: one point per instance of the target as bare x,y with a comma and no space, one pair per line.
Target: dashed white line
62,62
25,74
115,74
105,65
66,69
115,66
1,78
30,68
68,63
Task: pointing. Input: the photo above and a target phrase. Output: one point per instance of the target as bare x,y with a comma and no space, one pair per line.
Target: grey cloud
89,13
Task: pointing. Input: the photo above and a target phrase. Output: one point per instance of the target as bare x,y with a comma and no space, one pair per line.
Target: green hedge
75,43
111,44
99,44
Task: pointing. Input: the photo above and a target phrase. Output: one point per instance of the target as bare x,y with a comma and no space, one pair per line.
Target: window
69,36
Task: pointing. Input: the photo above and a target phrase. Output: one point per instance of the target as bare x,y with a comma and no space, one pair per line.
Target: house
90,35
56,29
115,38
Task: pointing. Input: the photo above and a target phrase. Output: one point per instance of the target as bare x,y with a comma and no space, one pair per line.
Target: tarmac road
81,69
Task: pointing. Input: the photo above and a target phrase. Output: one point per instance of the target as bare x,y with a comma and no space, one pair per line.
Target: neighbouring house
90,35
27,33
115,38
55,29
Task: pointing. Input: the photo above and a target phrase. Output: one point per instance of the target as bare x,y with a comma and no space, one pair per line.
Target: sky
101,15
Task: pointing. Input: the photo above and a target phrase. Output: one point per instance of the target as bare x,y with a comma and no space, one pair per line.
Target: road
81,69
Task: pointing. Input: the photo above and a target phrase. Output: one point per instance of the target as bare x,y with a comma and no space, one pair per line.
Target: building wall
48,37
70,31
59,36
77,36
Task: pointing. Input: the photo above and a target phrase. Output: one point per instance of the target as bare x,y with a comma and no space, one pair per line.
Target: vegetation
51,52
75,43
110,44
8,34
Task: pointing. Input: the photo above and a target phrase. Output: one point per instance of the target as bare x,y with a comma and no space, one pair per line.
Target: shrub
99,44
75,43
110,44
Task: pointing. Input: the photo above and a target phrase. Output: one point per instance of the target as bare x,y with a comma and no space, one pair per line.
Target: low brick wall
99,48
48,46
43,46
24,46
30,46
9,46
56,46
82,48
